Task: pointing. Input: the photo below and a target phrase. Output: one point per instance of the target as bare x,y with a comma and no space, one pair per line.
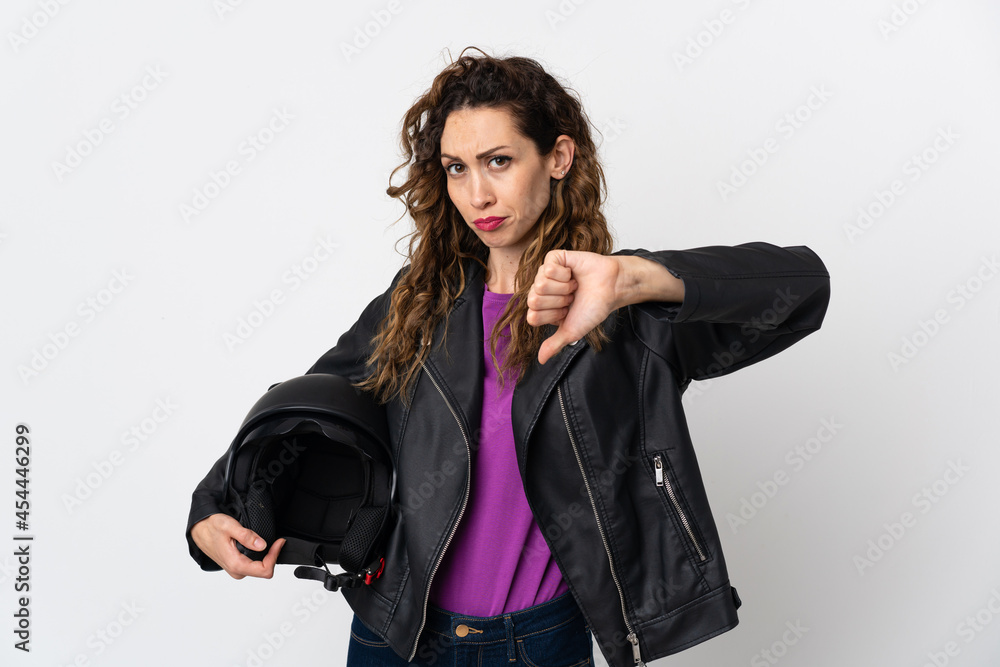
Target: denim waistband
465,629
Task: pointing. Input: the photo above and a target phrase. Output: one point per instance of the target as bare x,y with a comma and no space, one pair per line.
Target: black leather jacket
603,448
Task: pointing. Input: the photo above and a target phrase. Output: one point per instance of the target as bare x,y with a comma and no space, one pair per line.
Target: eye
499,162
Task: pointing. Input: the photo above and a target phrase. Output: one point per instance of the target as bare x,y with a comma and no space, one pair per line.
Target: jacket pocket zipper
468,481
664,481
632,637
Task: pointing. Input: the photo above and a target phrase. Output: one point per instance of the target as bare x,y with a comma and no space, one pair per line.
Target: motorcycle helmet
312,463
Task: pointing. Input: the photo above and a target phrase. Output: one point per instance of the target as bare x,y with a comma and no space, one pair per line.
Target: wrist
641,280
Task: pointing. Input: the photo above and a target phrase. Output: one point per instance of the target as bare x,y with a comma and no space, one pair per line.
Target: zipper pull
658,465
635,649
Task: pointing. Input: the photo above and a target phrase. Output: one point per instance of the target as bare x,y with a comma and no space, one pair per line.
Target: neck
501,271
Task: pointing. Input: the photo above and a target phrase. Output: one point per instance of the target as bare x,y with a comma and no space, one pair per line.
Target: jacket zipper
662,480
632,637
468,481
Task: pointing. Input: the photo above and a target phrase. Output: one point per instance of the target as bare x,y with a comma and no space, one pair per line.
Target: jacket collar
458,363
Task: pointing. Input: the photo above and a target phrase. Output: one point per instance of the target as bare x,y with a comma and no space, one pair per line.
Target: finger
249,539
272,556
537,318
555,266
557,272
239,565
233,530
544,285
234,562
547,302
263,569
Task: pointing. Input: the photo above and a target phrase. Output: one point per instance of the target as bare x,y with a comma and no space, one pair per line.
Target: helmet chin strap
333,582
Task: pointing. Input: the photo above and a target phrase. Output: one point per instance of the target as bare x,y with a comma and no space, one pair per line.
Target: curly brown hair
542,109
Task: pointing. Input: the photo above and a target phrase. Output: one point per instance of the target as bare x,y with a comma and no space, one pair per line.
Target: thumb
551,346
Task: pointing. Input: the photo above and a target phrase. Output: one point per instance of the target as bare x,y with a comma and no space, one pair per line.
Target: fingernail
258,544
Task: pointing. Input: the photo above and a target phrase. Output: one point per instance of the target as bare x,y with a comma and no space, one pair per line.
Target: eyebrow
478,157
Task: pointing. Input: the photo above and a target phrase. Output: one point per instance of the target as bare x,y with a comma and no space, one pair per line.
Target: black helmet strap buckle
333,582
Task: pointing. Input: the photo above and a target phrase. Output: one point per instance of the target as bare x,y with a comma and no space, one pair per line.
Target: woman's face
496,178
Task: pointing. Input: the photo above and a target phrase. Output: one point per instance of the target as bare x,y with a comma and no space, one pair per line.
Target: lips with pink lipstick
488,224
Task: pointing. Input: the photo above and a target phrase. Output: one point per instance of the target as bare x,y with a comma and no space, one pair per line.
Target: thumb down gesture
577,290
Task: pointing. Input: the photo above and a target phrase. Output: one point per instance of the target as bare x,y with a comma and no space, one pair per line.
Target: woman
533,381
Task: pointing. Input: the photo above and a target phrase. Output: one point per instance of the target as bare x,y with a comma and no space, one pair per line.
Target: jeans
551,634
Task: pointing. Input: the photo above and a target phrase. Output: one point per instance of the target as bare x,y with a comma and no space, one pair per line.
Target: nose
482,193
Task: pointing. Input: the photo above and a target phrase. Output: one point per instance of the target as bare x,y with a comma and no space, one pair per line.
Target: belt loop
511,649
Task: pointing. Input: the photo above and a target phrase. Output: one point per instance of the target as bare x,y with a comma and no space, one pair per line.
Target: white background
893,78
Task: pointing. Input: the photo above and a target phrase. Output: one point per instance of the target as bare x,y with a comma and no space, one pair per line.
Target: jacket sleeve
207,500
347,358
742,304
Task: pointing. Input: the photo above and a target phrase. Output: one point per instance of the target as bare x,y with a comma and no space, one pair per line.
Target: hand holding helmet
218,535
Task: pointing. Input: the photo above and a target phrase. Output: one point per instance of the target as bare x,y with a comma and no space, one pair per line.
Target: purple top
498,561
